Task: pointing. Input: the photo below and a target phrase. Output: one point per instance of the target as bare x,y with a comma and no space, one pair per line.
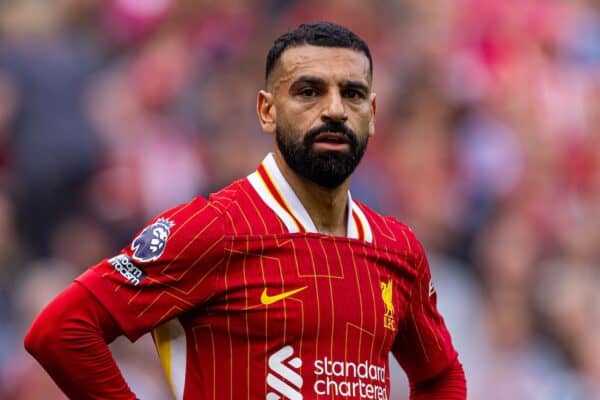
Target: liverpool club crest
386,294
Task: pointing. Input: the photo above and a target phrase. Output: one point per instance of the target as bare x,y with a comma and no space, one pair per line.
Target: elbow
450,384
43,336
66,326
37,339
32,342
29,342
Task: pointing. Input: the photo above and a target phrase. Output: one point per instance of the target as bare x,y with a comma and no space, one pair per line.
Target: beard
328,169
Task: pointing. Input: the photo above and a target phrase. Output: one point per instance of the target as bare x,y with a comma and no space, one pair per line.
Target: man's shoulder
188,218
388,230
222,200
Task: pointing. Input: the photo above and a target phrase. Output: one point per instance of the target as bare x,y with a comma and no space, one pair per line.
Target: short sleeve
171,266
423,346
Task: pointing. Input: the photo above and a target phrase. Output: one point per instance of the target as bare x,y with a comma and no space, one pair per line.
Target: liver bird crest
386,294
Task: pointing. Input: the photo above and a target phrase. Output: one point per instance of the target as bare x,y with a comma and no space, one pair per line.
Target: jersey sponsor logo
333,378
386,294
123,265
150,244
267,299
363,380
285,382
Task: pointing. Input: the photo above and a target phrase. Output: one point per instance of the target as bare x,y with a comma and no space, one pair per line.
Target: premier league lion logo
150,244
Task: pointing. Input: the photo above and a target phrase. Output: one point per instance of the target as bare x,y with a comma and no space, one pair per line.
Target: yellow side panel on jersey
170,343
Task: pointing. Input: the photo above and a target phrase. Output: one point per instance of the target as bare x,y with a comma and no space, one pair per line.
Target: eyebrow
356,85
311,80
316,81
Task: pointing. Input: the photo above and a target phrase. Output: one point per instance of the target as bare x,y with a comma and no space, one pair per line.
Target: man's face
322,111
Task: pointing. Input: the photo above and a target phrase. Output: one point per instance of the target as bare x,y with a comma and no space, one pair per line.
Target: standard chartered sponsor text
349,379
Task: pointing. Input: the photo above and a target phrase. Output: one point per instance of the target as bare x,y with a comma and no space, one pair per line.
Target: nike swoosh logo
266,299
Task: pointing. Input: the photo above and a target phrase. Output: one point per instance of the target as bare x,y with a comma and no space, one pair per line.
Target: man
280,286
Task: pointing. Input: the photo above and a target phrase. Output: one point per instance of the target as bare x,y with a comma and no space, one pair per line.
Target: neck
326,207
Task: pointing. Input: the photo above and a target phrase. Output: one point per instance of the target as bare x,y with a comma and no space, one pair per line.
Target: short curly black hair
322,33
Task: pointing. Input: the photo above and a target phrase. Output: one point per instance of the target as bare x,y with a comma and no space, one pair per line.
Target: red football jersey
246,300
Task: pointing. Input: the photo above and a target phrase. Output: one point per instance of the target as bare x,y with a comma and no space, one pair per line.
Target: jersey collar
278,195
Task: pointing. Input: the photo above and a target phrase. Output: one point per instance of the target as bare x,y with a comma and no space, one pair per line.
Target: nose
334,109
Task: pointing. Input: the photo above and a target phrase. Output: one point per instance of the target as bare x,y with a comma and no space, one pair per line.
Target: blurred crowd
487,144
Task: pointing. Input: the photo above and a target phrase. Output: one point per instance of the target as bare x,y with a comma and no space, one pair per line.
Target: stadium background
488,145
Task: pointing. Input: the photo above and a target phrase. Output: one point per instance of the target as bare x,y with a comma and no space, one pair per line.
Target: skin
309,85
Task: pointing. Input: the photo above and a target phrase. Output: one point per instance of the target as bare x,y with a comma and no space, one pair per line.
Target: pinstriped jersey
246,300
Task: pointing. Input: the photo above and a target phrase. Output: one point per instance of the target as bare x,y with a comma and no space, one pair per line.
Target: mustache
333,127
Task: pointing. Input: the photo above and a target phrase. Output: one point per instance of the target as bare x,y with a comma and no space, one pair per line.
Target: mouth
332,141
332,138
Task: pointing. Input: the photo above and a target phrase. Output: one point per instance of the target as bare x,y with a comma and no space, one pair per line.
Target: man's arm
448,385
70,340
423,345
128,295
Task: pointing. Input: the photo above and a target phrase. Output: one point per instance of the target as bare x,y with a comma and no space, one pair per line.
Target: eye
308,92
352,94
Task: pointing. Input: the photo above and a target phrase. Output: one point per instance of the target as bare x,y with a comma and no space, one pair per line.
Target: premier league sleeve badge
150,244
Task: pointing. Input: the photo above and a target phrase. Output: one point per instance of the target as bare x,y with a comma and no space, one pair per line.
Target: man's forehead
324,62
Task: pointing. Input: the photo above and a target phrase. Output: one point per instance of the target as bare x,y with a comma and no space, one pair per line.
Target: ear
266,110
373,112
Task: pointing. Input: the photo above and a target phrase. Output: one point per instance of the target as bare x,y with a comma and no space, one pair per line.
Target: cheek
362,121
301,114
287,127
294,120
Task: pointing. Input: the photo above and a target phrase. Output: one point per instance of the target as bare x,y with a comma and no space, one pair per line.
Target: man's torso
246,301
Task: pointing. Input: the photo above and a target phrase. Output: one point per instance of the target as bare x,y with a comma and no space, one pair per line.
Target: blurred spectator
132,107
11,260
52,148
